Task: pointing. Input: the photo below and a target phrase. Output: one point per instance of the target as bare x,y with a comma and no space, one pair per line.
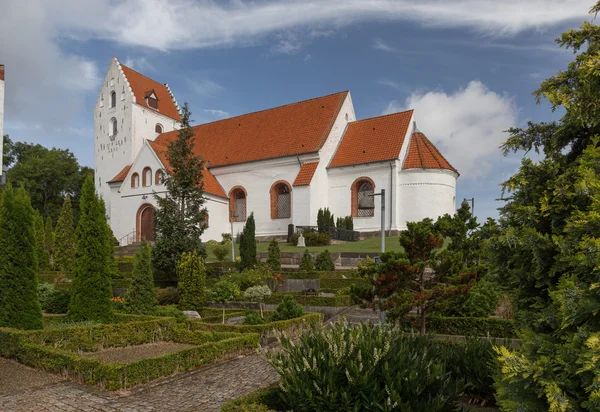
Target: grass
370,245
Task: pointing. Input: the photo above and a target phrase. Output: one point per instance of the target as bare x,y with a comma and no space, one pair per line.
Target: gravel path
138,352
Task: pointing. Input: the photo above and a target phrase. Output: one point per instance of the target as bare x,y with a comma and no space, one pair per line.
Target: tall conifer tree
140,298
248,244
49,235
91,292
19,303
64,239
40,241
180,216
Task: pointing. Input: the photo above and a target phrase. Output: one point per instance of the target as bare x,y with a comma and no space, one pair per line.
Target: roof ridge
141,74
383,115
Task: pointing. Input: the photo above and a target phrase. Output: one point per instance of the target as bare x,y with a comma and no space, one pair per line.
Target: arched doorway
145,223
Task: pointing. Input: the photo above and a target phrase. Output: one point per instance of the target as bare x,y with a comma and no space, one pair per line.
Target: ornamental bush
248,244
140,298
274,256
192,281
64,252
19,303
324,261
258,294
40,241
221,252
287,309
225,291
167,296
307,264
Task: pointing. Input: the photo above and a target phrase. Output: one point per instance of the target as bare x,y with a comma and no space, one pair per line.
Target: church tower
130,108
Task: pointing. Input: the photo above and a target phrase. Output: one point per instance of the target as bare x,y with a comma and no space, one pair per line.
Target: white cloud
389,83
221,114
466,125
379,44
204,87
139,63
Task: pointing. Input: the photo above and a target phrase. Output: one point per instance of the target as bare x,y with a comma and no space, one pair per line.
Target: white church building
283,164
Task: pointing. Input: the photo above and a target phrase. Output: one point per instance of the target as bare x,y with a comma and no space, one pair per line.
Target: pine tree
324,261
19,303
192,281
64,239
140,298
91,291
320,222
248,244
307,264
49,237
274,256
40,241
180,216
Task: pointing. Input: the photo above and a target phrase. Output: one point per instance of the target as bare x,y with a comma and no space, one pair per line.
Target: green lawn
370,245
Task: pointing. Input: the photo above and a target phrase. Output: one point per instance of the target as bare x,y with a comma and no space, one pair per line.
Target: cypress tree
191,273
64,239
40,241
324,261
19,302
274,255
248,244
320,222
91,292
140,298
49,236
307,264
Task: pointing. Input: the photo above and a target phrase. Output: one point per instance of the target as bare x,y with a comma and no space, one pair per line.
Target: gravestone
192,314
301,241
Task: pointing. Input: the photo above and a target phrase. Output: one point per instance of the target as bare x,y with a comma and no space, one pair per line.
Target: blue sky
468,67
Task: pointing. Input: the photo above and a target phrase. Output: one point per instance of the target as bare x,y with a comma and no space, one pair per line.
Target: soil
138,352
15,378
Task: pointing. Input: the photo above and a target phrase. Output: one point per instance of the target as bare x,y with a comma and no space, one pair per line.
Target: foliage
45,291
19,302
257,294
274,255
367,368
480,301
325,219
49,235
225,291
324,262
48,175
254,318
464,326
58,302
262,400
64,239
91,292
140,298
248,244
312,238
341,283
257,276
307,264
547,247
180,213
337,301
192,281
170,311
287,309
40,241
345,223
226,238
221,252
167,296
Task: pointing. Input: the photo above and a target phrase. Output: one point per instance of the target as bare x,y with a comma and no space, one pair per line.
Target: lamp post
368,203
233,216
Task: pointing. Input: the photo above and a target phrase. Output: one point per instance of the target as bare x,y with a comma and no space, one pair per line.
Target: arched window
281,200
158,129
135,180
159,177
113,128
237,204
113,99
362,187
147,177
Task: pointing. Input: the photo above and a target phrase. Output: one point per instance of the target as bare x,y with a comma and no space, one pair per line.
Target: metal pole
382,220
232,242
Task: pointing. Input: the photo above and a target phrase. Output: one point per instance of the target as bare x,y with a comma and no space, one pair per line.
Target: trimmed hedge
308,319
498,328
343,300
342,283
261,400
322,274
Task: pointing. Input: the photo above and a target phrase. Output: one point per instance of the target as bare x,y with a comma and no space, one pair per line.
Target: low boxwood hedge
322,274
498,328
342,283
308,319
310,300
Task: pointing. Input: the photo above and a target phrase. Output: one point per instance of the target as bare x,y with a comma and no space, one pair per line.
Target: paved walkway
204,389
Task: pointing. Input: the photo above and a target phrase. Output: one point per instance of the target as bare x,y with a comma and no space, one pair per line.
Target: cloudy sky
467,67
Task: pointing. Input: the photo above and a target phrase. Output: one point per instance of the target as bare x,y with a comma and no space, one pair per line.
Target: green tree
225,291
49,236
64,239
324,262
258,294
274,259
180,215
248,244
192,281
91,291
549,241
140,298
40,241
19,303
307,264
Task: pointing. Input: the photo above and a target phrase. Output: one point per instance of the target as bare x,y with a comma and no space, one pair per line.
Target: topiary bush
274,260
221,252
258,294
254,318
287,309
307,264
192,281
140,298
324,261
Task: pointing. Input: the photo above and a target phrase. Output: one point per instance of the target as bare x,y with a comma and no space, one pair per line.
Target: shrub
221,252
257,294
117,302
169,311
254,318
140,296
63,252
225,291
366,368
274,256
312,238
226,238
307,264
248,244
45,291
212,242
58,302
345,223
249,277
167,296
192,281
499,328
287,309
324,261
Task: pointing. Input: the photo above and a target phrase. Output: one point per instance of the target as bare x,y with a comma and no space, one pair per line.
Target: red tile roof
307,170
121,175
288,130
141,84
211,185
422,154
372,140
